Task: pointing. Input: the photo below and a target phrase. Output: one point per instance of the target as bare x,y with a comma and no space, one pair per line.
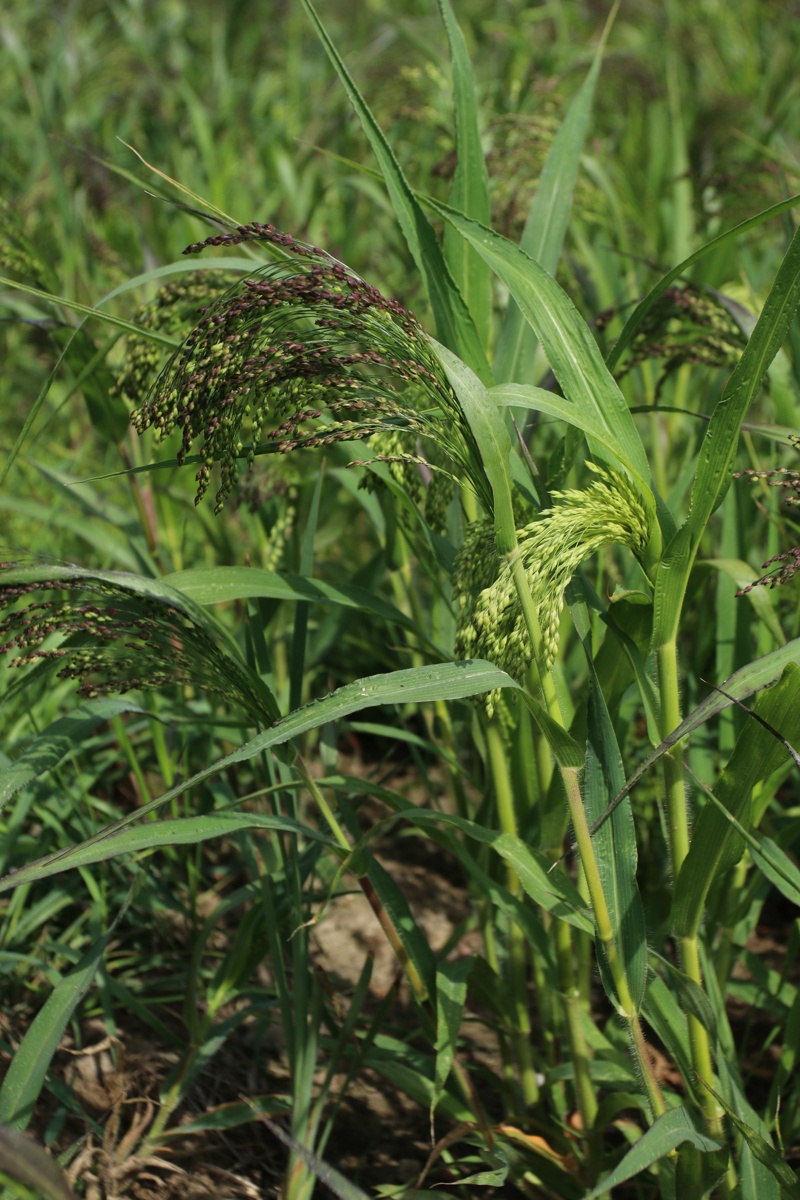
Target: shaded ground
380,1134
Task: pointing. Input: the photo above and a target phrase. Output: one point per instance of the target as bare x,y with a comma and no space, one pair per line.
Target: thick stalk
571,1000
504,799
675,793
678,829
569,778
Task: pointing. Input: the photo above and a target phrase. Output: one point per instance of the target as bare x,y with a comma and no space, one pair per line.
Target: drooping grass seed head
174,310
302,354
783,566
111,638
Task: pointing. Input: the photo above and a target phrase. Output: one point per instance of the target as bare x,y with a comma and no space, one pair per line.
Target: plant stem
504,799
675,793
585,1096
569,778
678,829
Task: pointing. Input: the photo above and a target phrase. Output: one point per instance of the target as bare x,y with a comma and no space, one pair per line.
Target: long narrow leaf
664,1136
470,190
23,1083
762,1151
53,744
715,846
643,308
86,310
720,443
615,842
447,681
550,889
566,340
215,585
543,235
453,322
180,831
758,674
451,995
31,1166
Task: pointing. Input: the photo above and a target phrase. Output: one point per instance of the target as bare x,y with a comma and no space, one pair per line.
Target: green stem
569,778
675,793
585,1095
678,830
504,799
583,950
698,1040
322,804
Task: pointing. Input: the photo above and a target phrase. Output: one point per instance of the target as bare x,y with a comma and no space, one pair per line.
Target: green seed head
490,621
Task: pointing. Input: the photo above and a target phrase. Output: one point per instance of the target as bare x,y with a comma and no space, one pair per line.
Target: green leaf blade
453,321
470,190
543,235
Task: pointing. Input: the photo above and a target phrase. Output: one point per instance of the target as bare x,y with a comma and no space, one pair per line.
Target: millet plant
492,534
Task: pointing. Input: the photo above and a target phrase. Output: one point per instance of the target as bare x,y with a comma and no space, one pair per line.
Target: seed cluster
172,310
427,480
303,354
684,326
790,560
113,639
490,621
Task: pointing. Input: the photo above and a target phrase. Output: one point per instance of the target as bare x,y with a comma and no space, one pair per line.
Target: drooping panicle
112,637
552,547
785,566
303,353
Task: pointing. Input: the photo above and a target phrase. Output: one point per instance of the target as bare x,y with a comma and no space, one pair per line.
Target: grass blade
23,1083
719,446
470,190
758,674
451,995
566,340
614,843
85,310
178,831
543,236
550,889
643,308
216,585
454,324
715,846
535,399
447,681
58,740
31,1166
664,1136
332,1179
762,1150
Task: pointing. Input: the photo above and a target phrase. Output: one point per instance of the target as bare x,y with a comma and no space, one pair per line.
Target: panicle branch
790,560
